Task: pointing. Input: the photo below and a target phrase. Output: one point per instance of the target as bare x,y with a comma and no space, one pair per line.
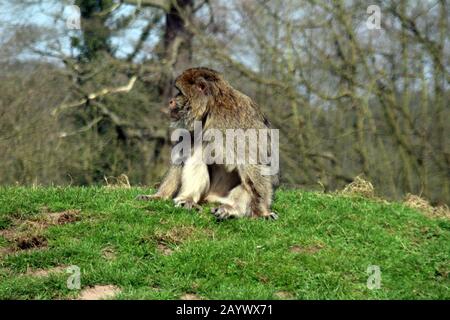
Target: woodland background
79,106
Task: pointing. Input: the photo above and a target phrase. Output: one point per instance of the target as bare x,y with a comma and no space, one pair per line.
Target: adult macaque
241,189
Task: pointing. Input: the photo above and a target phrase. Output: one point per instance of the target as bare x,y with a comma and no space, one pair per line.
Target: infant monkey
239,189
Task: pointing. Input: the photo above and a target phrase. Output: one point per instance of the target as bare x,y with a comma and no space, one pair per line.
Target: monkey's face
180,112
176,106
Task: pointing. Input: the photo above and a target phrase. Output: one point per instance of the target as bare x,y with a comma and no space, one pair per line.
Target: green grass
320,248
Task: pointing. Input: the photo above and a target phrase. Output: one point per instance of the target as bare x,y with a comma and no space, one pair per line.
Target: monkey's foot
187,204
270,216
225,212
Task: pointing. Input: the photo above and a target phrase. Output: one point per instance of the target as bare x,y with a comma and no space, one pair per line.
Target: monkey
240,189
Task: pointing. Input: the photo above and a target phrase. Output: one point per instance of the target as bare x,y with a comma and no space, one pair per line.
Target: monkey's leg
194,184
260,189
169,187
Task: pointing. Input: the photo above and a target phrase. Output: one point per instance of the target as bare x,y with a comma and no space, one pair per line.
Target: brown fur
241,189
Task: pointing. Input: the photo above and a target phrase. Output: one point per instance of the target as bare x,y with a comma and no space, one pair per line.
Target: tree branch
95,95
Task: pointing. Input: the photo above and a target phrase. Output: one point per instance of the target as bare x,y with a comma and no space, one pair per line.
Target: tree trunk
177,42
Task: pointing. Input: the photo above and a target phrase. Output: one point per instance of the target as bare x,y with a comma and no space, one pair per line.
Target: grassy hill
320,248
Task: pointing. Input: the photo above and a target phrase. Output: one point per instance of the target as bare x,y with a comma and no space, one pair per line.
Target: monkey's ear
201,85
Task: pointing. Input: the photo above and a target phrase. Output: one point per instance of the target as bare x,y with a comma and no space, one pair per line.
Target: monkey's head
197,88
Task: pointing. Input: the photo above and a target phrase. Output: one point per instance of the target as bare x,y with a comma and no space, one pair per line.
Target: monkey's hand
186,203
225,211
228,212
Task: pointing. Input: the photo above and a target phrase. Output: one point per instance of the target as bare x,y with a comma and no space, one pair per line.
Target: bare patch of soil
99,292
286,295
30,242
45,272
60,218
164,249
108,253
190,296
5,251
24,236
27,234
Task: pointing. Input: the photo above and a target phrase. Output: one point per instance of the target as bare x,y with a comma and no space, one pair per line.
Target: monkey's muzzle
174,111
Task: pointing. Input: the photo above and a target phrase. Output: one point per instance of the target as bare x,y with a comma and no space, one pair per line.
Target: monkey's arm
169,187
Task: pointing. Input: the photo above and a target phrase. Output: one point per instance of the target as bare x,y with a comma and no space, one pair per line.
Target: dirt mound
30,242
27,234
59,218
